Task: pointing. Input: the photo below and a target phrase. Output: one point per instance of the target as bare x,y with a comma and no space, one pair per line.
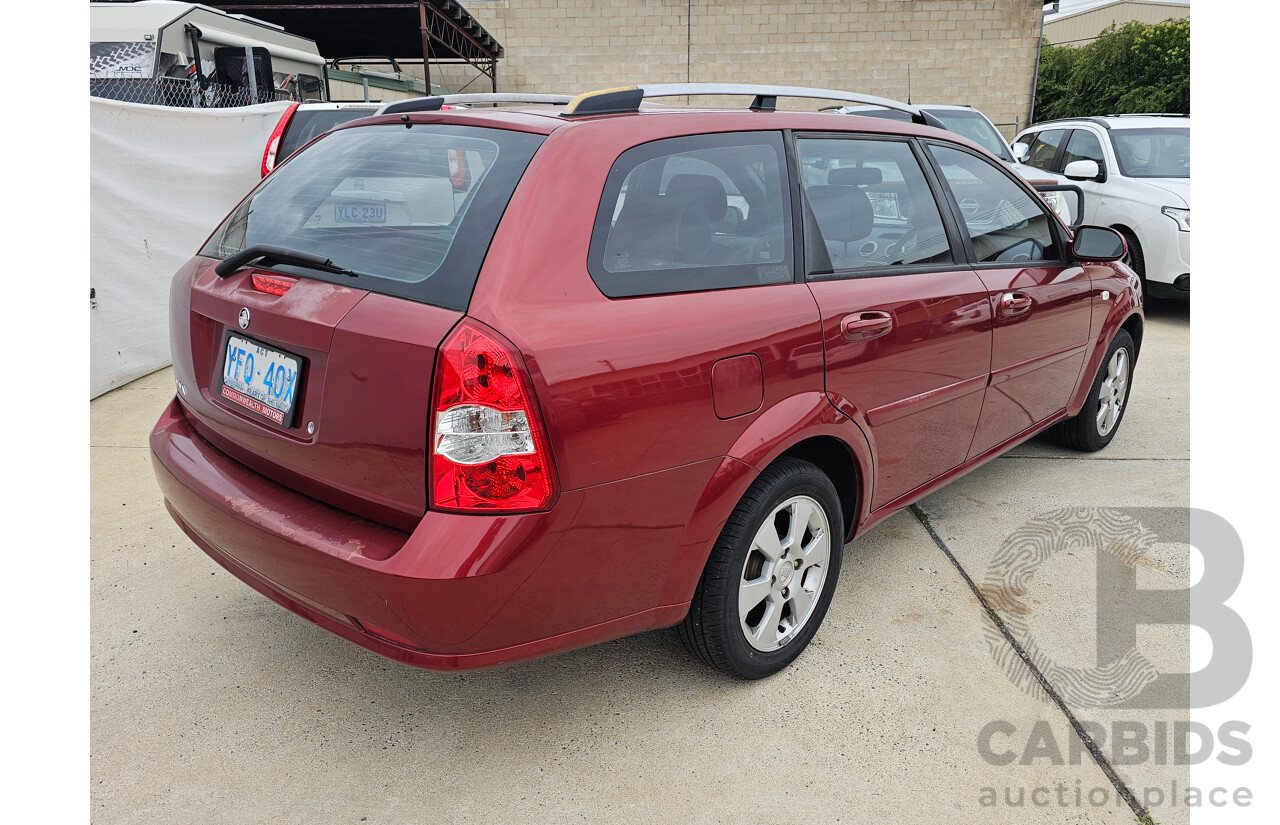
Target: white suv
1135,171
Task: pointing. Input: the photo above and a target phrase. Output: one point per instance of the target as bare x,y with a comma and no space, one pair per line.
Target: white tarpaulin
160,180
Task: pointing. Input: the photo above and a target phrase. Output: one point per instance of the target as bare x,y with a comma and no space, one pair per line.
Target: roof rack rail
433,103
1091,118
1151,114
764,98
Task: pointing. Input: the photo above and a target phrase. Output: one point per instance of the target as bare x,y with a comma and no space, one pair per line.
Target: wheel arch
1126,315
1133,325
810,426
1121,226
806,426
1128,231
833,457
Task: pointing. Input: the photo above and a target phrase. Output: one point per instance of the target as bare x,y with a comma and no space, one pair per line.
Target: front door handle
1013,304
863,326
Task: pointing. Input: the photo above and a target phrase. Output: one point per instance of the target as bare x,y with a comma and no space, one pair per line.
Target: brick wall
980,52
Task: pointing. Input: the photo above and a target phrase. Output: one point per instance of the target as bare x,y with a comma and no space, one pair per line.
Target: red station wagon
469,387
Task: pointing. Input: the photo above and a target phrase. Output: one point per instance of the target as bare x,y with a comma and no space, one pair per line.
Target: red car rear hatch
309,357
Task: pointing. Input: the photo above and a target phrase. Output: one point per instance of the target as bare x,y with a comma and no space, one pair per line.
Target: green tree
1138,67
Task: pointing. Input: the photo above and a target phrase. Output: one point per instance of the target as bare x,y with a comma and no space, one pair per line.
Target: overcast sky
1072,6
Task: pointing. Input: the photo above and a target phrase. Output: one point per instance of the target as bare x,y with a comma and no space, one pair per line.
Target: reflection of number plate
360,213
885,204
260,379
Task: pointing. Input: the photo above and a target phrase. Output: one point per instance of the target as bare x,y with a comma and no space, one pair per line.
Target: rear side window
410,211
868,205
1003,221
694,213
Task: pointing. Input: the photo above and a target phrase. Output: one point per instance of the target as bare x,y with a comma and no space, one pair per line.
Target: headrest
855,176
704,189
693,230
843,212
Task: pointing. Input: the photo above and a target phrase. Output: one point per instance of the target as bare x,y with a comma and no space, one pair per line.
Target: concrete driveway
211,704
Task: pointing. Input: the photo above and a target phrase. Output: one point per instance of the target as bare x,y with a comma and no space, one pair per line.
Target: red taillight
271,284
489,449
273,142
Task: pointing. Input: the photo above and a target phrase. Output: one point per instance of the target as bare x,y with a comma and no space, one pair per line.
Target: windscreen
969,123
407,211
1153,153
976,128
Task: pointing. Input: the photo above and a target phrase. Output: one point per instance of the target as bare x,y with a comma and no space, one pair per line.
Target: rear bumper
459,592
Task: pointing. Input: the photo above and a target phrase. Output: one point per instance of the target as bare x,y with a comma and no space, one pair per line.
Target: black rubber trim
608,103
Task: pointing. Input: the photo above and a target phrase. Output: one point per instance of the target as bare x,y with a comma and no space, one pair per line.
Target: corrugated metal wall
1084,27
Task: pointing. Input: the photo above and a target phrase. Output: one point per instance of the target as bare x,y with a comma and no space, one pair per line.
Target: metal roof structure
435,31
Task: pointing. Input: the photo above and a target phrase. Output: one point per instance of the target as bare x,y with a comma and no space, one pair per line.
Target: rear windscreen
306,124
409,211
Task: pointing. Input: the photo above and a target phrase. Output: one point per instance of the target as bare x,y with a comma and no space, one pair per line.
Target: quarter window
868,205
694,213
1003,221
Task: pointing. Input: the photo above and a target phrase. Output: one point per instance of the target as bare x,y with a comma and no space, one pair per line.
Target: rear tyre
1100,417
771,574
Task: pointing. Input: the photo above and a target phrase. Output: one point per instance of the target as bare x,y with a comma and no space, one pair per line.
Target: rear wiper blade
279,254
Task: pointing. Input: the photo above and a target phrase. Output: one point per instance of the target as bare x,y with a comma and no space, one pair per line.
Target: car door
906,323
1084,144
1041,301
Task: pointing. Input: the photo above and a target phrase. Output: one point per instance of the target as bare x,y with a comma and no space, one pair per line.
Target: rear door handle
1013,304
863,326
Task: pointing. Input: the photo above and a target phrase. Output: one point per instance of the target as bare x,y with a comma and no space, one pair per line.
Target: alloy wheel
784,573
1112,392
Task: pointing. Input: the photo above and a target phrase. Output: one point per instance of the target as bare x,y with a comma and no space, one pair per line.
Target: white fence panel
160,180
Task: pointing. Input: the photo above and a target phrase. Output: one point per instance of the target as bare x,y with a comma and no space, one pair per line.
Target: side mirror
1020,151
1097,243
1083,170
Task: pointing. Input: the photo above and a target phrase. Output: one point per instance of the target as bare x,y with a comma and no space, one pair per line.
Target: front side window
694,213
868,205
1004,222
1153,153
1044,148
1083,145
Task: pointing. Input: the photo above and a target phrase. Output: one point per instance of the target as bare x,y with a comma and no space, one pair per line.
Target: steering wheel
1034,251
761,254
898,247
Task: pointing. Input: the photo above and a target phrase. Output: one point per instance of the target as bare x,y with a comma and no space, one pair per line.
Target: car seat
843,211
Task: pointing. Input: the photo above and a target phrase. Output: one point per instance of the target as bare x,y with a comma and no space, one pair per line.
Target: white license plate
360,213
260,379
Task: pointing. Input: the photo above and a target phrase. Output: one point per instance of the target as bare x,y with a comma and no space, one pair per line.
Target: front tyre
771,574
1100,417
1134,258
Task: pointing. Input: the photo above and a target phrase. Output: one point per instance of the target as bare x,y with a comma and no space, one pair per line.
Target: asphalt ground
209,703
